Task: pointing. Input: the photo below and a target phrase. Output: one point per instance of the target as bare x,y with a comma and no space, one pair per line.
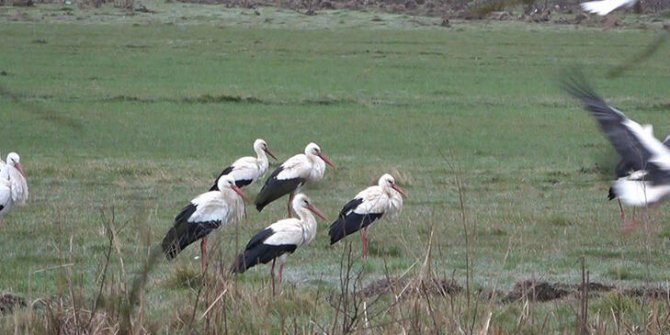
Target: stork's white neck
308,222
318,168
262,158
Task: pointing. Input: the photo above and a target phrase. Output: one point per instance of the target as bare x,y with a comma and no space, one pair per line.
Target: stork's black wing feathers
256,252
625,167
276,188
225,171
610,120
259,238
183,233
349,222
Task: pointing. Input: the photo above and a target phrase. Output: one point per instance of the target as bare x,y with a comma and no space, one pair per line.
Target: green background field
136,115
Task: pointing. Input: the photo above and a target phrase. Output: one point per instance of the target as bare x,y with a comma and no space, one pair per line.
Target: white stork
13,172
201,216
604,7
5,197
646,156
296,171
625,170
369,205
280,239
246,170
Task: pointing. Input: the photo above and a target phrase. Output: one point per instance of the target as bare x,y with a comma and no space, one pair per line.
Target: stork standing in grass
5,198
202,215
280,239
246,170
12,170
647,157
294,172
13,185
369,205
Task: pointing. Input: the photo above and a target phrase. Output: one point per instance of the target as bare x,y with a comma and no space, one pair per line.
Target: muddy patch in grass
539,291
400,287
535,291
10,302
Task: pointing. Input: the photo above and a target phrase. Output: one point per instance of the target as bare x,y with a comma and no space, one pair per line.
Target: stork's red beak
19,167
400,190
240,192
316,211
267,151
325,159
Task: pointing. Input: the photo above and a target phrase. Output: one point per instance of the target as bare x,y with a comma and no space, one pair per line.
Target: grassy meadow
121,119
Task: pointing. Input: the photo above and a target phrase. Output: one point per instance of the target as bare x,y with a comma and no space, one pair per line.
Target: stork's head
301,201
260,144
387,181
228,183
315,150
14,160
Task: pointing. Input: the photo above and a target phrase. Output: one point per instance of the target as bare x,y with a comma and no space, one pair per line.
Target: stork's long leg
281,273
364,240
290,200
203,254
627,228
272,275
621,212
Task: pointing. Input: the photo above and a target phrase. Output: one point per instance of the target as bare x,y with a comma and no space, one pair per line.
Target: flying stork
280,239
604,7
246,170
294,172
625,170
644,155
201,216
369,205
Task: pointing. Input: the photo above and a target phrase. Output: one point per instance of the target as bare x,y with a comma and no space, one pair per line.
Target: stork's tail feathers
337,230
245,261
239,266
172,245
182,235
261,204
263,198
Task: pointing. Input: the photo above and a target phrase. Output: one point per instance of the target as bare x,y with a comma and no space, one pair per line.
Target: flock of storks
642,179
224,204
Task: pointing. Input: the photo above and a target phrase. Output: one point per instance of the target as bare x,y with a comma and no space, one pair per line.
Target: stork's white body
248,169
306,166
5,197
11,171
379,199
293,231
217,206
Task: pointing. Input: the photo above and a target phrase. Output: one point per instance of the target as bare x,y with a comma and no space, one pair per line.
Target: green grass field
126,118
